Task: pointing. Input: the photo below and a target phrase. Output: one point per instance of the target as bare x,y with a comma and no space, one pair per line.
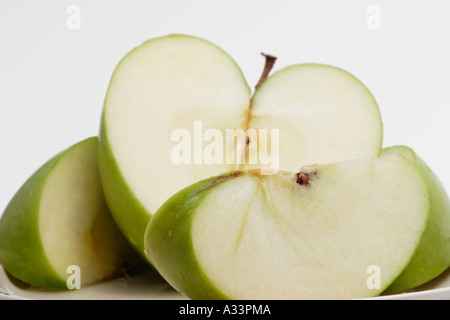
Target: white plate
145,283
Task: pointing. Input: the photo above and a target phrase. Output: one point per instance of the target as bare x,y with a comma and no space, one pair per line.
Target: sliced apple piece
318,234
58,223
432,256
161,86
322,114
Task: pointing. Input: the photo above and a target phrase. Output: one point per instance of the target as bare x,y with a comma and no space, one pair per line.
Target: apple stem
270,61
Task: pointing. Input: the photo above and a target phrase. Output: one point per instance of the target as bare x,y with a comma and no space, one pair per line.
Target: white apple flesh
317,234
58,219
323,115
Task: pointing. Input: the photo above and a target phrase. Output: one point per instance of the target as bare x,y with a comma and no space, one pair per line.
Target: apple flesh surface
310,235
432,255
59,218
323,114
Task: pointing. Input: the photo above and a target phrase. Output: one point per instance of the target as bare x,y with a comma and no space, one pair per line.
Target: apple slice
335,231
432,256
58,223
173,100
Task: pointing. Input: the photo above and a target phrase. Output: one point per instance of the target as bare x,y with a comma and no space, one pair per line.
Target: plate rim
440,293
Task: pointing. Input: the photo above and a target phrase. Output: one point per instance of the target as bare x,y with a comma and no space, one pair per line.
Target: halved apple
180,83
58,223
336,231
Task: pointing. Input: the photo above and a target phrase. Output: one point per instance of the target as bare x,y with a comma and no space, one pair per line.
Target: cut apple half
173,98
58,223
335,231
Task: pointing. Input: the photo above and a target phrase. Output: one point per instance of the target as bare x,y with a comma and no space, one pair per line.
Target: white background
53,79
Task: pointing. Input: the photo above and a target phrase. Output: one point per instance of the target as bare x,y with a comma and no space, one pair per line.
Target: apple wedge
336,231
173,100
432,256
58,223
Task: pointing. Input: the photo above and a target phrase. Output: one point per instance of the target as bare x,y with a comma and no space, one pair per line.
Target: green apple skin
22,248
24,256
432,255
182,265
128,212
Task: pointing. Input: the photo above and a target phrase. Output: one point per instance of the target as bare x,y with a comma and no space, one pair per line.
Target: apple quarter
316,234
59,222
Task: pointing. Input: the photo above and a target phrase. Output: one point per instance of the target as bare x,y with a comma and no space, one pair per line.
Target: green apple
179,83
432,255
335,231
58,225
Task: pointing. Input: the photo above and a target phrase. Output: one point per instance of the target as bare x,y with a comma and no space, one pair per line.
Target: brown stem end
270,61
305,178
